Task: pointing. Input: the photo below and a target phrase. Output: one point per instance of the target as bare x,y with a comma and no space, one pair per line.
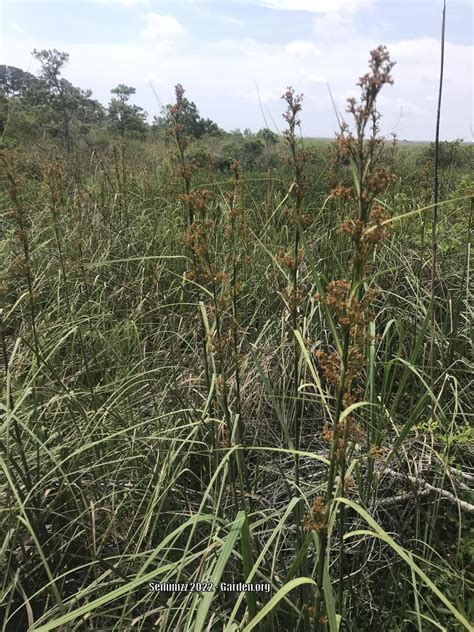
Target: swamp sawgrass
351,303
120,493
297,159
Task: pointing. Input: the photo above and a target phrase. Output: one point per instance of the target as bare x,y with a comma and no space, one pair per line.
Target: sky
235,58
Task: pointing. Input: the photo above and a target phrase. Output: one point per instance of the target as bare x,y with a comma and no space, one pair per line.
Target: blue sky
227,54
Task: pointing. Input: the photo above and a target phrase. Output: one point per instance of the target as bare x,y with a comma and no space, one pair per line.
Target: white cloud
126,3
17,29
221,77
226,19
302,48
319,6
161,27
333,26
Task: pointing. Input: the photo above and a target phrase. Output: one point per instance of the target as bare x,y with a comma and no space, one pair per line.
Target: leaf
219,568
284,590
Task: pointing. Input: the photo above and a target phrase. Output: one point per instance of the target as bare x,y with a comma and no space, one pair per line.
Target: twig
426,487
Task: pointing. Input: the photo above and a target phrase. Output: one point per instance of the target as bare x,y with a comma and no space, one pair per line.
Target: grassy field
218,372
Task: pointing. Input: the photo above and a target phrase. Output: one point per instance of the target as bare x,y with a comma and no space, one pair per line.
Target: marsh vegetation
227,357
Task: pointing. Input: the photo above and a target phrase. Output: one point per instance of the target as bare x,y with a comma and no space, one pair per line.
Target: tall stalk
351,303
185,168
434,225
296,160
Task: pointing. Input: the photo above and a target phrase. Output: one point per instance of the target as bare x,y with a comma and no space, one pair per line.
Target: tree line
50,105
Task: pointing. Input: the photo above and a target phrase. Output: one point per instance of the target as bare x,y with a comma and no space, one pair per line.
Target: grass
169,413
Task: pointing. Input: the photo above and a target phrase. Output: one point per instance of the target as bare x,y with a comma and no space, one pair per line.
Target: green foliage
450,153
147,418
14,82
33,108
63,99
269,137
248,150
194,125
125,118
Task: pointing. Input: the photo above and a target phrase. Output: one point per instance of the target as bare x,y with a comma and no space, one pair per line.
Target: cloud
161,27
227,19
318,6
334,26
221,76
16,28
302,48
126,3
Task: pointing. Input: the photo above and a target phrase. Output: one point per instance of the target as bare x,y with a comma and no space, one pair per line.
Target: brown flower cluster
54,183
186,168
177,113
375,182
377,453
196,236
238,226
350,310
342,192
197,200
371,83
303,218
20,266
353,314
330,366
366,237
346,432
315,519
224,342
298,156
15,182
362,153
287,259
294,297
294,103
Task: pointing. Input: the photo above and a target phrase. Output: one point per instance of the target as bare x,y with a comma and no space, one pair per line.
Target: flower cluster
345,432
287,259
371,83
196,238
293,297
363,154
292,215
352,314
185,166
197,200
298,156
366,237
315,519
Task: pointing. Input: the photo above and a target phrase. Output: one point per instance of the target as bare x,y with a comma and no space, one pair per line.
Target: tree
64,99
14,81
123,116
31,105
193,124
268,136
91,113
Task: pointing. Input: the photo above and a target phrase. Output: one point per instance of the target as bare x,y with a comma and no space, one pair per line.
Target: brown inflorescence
315,519
293,298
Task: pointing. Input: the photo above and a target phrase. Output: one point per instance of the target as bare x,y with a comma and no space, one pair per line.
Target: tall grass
201,384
